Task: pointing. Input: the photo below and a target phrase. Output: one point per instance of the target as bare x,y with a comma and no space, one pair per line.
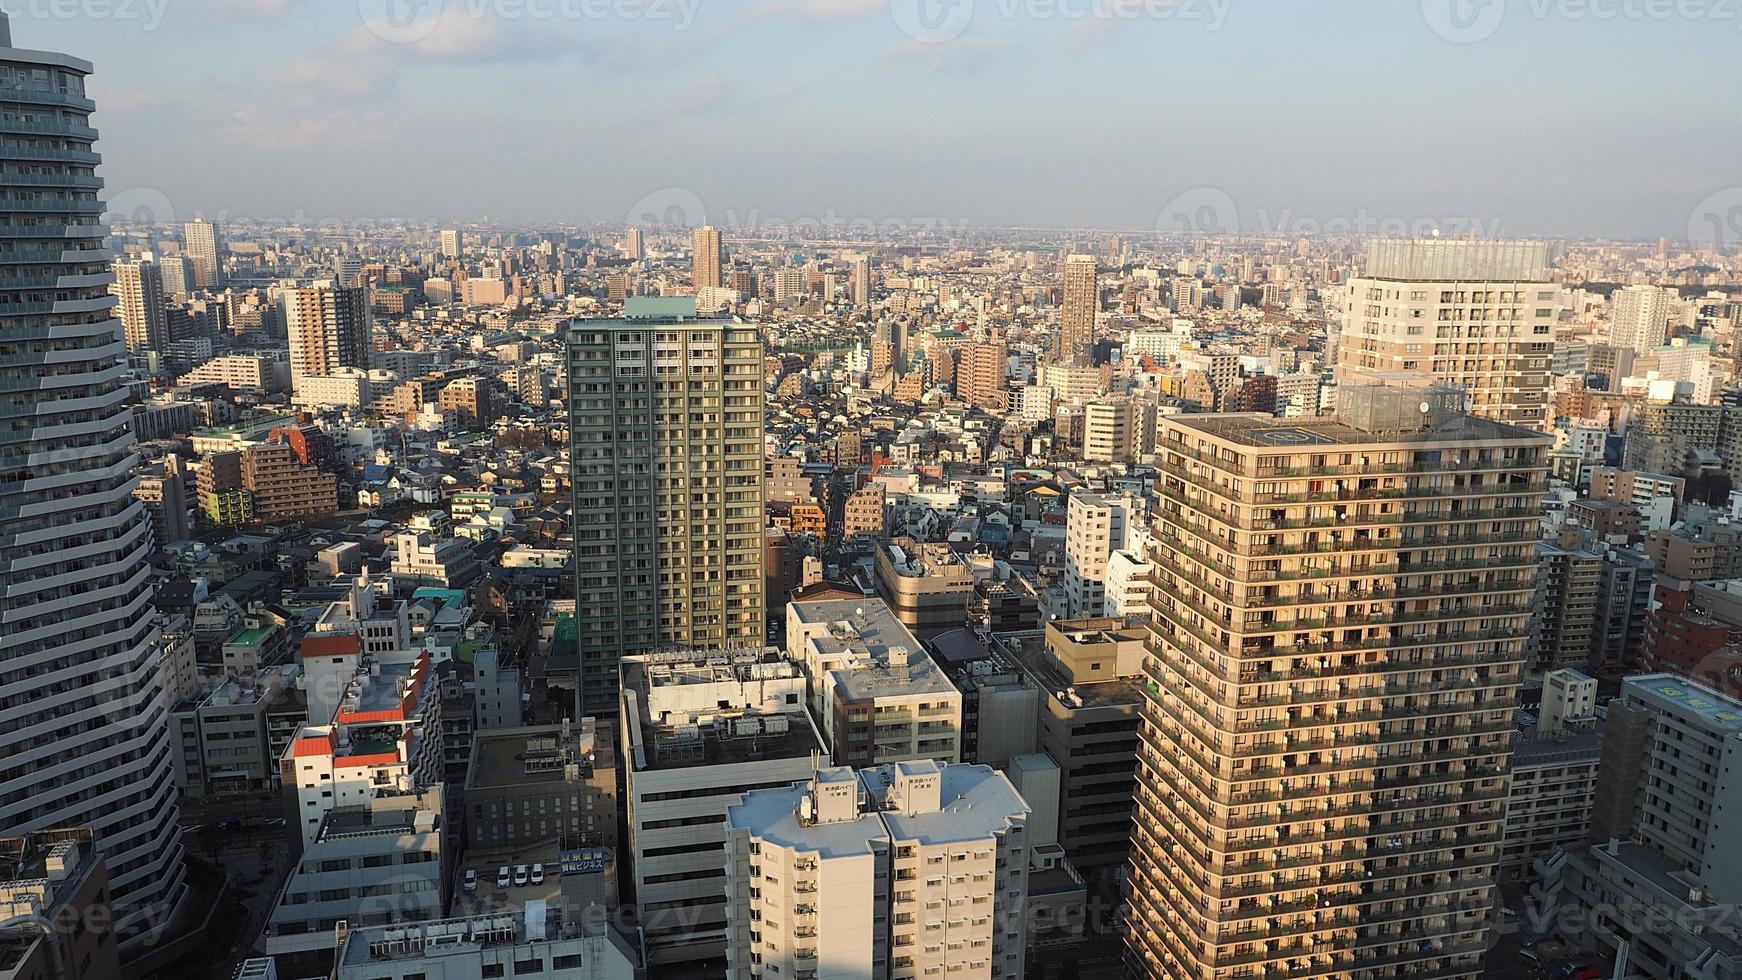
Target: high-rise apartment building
177,274
666,416
453,243
1082,299
1478,315
634,245
706,254
204,245
138,290
1639,320
861,281
84,727
908,870
329,327
1340,615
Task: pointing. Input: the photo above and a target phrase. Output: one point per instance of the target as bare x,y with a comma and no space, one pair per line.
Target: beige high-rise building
861,281
138,288
634,245
1340,616
1478,315
1082,299
204,244
666,414
329,327
706,255
453,243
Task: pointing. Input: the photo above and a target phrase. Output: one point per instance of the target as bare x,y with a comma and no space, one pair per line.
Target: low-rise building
55,917
1087,672
532,786
875,691
377,862
1665,875
927,585
907,870
537,940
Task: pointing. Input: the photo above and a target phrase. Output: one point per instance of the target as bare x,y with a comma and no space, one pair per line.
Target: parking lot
574,892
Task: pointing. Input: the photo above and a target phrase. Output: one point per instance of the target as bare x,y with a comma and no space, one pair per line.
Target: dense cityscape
855,599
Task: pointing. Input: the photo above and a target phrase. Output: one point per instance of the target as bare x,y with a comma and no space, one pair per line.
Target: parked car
538,874
502,877
471,884
519,875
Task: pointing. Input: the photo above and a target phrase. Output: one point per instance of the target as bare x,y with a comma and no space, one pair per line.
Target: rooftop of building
724,730
975,803
921,560
536,921
1720,711
525,756
1029,651
730,738
382,817
877,655
1303,435
1671,880
1533,749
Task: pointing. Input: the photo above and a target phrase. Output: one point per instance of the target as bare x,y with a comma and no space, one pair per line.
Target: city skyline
829,125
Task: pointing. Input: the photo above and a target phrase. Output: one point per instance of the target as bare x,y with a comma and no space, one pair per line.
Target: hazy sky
1532,117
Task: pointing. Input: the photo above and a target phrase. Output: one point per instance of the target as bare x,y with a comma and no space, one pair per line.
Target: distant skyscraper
453,245
329,327
1640,320
84,727
706,255
634,247
1082,300
1340,615
1478,315
139,290
666,437
861,281
205,249
177,273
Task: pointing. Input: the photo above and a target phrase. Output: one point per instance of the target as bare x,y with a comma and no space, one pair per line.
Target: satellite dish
1426,408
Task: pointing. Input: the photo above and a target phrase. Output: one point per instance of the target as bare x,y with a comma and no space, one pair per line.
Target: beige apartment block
1340,617
1478,315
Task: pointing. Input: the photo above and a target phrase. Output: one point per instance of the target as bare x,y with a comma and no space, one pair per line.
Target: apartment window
523,967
